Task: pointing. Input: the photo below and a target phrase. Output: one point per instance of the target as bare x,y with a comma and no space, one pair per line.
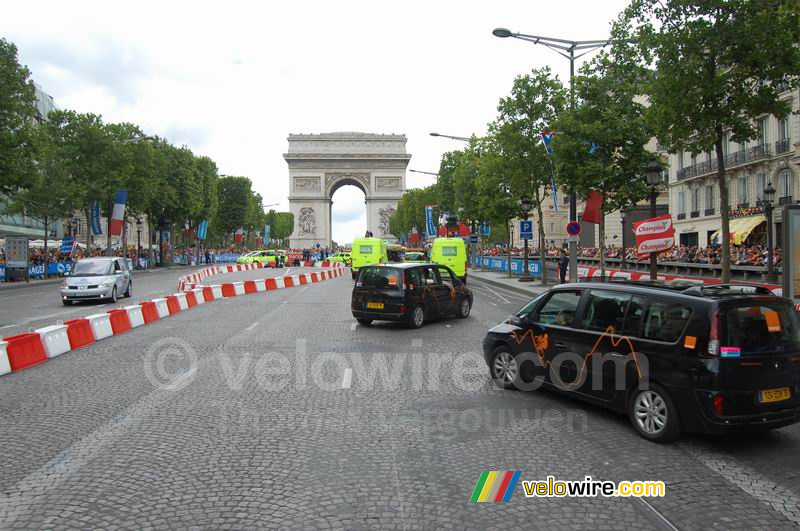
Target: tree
717,67
601,141
283,227
17,112
234,199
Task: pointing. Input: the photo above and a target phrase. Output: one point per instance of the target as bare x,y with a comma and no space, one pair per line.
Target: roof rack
701,291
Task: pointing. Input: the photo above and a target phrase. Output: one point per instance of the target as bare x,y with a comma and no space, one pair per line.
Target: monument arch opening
348,212
320,164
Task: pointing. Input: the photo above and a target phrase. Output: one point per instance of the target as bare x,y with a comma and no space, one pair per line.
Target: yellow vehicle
267,257
344,258
415,256
367,251
451,252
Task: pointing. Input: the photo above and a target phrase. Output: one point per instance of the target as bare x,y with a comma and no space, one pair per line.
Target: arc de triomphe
319,164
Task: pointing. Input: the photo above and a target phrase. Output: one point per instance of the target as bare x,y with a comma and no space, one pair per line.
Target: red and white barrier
101,325
238,288
54,339
135,315
198,294
182,301
161,307
5,366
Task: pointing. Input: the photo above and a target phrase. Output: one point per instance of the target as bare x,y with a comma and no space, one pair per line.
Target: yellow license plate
375,305
774,395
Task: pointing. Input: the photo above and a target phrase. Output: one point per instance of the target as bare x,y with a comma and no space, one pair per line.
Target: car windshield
91,268
415,256
765,327
379,277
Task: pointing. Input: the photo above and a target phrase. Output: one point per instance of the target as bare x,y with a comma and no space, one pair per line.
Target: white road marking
251,326
347,378
176,383
352,327
301,290
492,303
284,302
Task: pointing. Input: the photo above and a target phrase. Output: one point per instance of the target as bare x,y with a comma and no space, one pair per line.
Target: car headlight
64,285
105,284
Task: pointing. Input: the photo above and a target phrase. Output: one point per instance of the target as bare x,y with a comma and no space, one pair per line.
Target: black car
412,293
714,359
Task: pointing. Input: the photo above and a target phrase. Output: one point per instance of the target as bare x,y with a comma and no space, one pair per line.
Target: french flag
118,214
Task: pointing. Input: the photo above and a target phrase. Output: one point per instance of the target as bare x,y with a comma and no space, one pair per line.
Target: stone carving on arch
334,180
307,222
385,214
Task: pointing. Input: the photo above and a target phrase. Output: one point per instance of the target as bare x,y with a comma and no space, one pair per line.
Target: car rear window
365,249
764,327
666,322
379,278
449,250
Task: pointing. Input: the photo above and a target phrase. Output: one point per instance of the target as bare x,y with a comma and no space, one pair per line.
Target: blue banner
37,271
202,230
430,228
94,219
67,244
267,231
486,229
517,264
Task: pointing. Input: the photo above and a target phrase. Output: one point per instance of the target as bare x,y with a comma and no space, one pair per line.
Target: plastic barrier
208,293
101,325
260,284
302,279
161,307
249,286
5,366
228,290
199,296
238,288
119,321
217,289
24,350
270,283
172,304
191,300
149,312
135,315
288,282
79,332
182,302
54,339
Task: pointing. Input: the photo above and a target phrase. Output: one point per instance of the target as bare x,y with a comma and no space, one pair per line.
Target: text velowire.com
588,487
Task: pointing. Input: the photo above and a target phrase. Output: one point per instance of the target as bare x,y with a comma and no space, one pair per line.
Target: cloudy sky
232,79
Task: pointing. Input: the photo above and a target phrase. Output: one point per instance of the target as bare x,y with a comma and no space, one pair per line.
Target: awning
740,229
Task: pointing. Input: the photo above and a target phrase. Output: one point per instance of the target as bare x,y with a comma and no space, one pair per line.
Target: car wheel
504,368
464,308
365,322
417,317
114,294
129,290
654,415
66,302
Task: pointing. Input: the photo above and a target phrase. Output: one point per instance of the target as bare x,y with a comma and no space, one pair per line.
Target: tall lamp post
138,242
622,218
525,203
565,48
769,197
653,171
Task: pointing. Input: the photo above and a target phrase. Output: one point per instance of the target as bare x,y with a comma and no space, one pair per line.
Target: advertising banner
16,251
654,235
430,228
94,219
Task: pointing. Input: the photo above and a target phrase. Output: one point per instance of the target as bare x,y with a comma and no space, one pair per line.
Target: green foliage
17,111
717,65
234,201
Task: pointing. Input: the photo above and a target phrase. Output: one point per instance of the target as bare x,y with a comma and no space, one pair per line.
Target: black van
711,359
408,292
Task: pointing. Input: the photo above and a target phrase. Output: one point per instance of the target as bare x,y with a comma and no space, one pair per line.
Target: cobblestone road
276,410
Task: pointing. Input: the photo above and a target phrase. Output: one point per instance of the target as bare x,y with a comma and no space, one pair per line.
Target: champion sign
654,235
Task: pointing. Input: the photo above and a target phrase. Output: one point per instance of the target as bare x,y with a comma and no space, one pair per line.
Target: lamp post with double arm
769,197
622,219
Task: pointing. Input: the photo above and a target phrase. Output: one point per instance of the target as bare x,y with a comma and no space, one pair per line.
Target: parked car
411,293
104,278
366,251
711,359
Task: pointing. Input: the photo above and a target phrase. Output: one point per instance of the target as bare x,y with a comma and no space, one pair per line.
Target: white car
103,278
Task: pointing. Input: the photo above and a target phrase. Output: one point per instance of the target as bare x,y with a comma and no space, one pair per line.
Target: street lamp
653,171
769,197
565,48
622,214
138,241
425,172
461,138
525,203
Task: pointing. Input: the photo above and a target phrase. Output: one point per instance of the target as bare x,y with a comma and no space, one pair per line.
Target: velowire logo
495,486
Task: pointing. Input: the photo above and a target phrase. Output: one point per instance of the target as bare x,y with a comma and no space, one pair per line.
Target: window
379,278
783,128
696,199
762,131
605,311
769,328
449,250
742,190
526,310
681,202
633,319
412,278
117,266
709,197
365,249
447,278
680,160
761,183
429,274
666,322
785,184
560,309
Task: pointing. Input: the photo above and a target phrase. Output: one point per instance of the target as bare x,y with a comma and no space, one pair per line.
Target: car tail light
719,405
713,335
402,308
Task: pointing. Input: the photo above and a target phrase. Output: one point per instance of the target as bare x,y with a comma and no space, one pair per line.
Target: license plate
774,395
375,305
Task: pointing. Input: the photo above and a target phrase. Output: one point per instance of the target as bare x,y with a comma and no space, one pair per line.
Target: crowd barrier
498,263
26,350
37,271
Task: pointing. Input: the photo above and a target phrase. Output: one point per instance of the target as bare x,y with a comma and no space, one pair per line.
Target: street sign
486,229
526,229
473,239
574,228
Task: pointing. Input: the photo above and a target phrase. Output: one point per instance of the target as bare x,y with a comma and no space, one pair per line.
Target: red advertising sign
654,235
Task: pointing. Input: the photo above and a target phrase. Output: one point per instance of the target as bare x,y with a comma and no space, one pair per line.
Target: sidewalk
57,280
502,280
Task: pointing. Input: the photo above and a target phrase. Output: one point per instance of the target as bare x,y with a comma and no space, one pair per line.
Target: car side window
633,319
117,266
447,278
429,273
605,310
412,277
666,322
560,309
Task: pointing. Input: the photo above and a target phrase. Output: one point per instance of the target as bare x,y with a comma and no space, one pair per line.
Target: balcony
710,211
782,146
694,214
785,200
682,216
745,156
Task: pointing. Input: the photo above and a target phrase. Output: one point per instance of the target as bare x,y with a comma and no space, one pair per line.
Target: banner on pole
654,235
94,219
430,228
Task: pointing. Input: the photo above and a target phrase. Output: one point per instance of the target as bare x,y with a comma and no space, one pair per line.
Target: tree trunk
601,229
109,250
149,241
724,210
88,229
46,250
510,243
542,240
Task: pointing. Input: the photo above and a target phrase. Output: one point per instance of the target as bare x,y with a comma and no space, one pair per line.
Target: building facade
773,158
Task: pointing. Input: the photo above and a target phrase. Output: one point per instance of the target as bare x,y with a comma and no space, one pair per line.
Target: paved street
276,410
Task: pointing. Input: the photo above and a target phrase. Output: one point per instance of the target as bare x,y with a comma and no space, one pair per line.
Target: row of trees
685,73
71,160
